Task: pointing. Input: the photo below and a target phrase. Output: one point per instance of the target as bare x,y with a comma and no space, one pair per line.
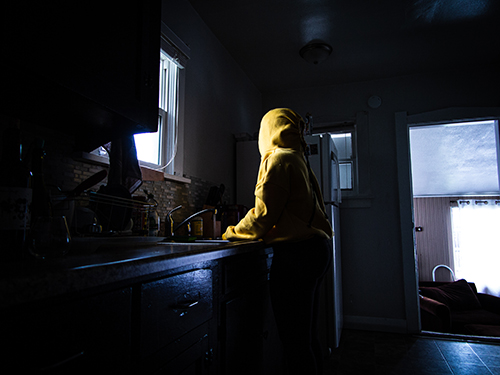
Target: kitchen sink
194,242
212,241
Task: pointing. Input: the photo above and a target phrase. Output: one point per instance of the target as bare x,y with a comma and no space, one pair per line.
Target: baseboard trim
375,324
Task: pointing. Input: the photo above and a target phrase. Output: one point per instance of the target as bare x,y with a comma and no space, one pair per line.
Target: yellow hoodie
285,206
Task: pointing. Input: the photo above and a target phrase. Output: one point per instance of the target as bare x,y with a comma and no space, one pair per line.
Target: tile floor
373,353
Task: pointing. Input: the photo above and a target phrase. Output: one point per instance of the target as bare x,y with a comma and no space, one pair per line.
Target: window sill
148,174
171,177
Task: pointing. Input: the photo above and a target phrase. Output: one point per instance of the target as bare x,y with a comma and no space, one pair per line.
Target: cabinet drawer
194,361
173,306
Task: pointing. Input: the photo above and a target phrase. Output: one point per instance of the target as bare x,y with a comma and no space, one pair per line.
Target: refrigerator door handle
337,167
332,203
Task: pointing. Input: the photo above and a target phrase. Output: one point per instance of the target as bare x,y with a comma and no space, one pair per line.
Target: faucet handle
169,219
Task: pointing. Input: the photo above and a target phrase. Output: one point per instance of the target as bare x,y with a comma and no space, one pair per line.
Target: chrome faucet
188,219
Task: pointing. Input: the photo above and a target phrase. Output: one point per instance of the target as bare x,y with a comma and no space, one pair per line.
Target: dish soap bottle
153,220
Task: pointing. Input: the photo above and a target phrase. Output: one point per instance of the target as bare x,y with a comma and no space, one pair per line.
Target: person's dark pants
296,275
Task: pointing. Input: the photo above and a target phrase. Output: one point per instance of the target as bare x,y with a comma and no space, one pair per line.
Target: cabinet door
248,337
85,335
62,56
272,350
243,336
172,307
193,361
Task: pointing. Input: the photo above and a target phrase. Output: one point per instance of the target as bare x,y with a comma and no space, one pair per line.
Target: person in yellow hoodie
289,214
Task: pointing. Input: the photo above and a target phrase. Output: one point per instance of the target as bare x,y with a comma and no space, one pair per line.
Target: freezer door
330,171
324,163
336,192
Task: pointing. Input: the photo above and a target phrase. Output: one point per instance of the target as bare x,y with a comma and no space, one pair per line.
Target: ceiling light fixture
315,53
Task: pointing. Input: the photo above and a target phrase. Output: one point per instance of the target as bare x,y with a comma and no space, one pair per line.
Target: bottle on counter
153,219
15,197
40,206
49,235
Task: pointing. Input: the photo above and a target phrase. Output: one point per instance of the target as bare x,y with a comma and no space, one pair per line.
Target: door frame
403,122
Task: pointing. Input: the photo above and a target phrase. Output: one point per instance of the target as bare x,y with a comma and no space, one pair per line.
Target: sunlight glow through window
475,243
148,147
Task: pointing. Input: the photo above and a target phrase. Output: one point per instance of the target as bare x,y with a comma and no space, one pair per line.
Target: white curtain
476,243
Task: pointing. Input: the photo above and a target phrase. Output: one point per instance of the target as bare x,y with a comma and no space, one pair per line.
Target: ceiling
370,39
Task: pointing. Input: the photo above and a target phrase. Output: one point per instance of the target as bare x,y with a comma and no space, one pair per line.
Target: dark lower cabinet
208,318
196,360
69,337
272,352
175,324
248,337
244,335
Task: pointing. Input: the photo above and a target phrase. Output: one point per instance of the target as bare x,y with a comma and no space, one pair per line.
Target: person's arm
270,202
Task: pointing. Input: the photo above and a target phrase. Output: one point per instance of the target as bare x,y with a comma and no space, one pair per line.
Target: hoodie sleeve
271,196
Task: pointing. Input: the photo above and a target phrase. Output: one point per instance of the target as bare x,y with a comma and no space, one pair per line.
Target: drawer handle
185,305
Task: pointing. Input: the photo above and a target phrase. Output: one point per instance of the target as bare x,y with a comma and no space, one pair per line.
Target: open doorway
455,174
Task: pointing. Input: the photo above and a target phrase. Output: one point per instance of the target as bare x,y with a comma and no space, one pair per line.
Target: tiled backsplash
66,173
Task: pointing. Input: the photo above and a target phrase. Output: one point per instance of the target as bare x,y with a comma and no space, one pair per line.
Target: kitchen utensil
215,195
222,188
88,183
63,204
212,196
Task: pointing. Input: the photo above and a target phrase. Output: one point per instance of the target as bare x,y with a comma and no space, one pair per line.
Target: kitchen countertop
33,280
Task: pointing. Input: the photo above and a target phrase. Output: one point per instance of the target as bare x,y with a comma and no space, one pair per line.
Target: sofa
456,307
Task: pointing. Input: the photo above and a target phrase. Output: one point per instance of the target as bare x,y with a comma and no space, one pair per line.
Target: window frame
168,116
174,47
350,161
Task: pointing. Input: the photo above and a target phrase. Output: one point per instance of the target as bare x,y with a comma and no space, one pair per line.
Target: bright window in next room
344,143
157,150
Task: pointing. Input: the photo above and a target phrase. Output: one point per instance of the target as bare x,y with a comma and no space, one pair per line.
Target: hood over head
281,128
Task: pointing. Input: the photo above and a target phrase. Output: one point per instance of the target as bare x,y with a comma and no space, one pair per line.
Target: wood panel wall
434,243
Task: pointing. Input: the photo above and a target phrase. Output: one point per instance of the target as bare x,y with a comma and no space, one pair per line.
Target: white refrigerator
324,163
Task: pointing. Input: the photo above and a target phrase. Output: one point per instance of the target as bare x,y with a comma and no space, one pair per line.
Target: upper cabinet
89,69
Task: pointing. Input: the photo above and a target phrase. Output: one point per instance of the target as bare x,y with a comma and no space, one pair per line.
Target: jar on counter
197,226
